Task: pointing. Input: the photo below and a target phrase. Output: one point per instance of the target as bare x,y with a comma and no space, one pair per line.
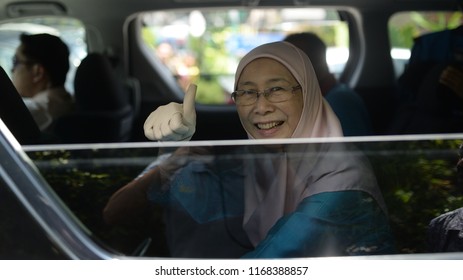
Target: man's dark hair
314,48
51,52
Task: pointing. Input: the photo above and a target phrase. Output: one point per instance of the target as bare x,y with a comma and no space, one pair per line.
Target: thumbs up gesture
174,121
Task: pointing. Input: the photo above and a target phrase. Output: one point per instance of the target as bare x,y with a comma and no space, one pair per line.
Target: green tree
404,27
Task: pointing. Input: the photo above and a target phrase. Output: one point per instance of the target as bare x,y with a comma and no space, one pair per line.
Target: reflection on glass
227,200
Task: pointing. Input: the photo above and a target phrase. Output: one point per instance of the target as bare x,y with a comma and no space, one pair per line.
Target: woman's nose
262,105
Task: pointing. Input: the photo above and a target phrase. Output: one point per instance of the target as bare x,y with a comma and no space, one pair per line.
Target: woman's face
264,119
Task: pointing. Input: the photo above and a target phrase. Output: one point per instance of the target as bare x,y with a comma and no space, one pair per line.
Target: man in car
40,66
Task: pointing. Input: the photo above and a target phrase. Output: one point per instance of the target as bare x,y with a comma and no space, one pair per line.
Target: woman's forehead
264,61
266,70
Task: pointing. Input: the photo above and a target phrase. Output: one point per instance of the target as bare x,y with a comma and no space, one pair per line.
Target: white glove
174,121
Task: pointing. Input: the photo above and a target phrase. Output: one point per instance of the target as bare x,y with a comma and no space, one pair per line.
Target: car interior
128,57
102,101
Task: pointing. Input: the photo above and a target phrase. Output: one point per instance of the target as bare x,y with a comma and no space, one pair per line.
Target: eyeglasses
16,61
273,94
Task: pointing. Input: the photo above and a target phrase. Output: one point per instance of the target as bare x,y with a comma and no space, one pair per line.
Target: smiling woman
281,187
279,64
268,116
284,191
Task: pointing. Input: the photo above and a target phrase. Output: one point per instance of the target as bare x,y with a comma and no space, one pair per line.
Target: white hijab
276,182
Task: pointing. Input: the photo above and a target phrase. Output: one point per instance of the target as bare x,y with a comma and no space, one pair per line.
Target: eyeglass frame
16,61
266,92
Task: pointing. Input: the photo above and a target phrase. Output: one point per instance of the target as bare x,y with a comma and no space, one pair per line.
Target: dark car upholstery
103,109
15,114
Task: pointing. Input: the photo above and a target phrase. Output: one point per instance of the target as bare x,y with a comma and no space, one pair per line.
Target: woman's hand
182,156
174,121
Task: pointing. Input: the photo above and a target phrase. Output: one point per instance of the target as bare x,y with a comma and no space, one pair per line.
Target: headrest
96,87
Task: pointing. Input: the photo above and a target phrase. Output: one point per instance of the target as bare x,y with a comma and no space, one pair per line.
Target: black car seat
103,109
436,107
15,114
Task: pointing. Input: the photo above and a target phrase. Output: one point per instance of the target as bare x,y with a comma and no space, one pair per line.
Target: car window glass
205,46
70,30
412,174
404,27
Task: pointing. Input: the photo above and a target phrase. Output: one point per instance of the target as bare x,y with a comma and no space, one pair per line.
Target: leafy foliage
418,180
85,180
404,27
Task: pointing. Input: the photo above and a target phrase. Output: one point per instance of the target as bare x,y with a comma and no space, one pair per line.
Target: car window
404,27
417,180
71,31
22,237
204,46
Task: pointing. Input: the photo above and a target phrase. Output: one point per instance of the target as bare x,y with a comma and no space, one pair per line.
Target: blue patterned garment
205,212
329,224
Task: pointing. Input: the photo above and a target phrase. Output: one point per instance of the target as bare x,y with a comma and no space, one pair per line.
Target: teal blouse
204,214
329,224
